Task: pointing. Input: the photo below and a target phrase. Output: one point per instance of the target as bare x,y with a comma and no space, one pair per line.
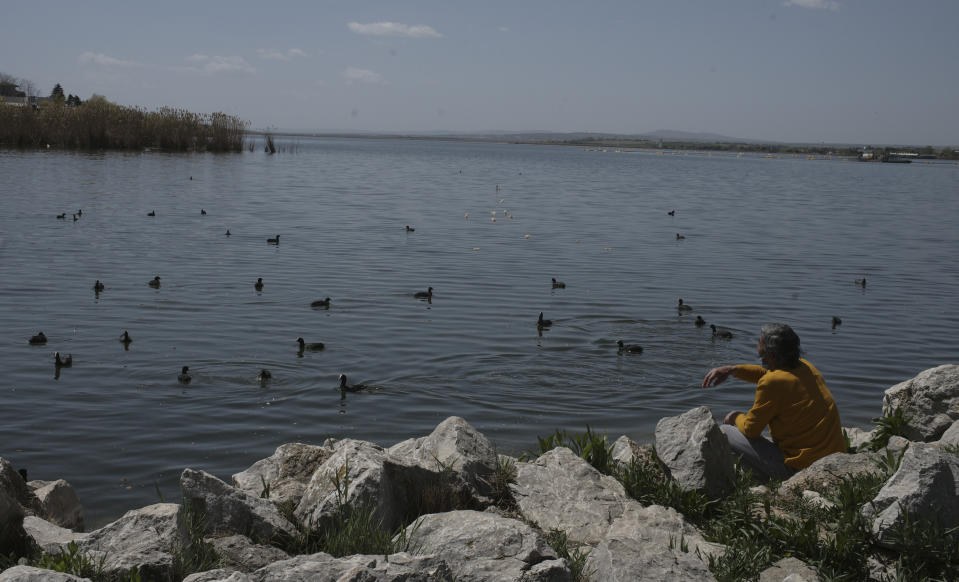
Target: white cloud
814,4
278,55
355,75
218,64
104,60
394,29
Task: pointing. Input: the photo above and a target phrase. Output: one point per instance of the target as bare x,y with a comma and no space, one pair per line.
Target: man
791,398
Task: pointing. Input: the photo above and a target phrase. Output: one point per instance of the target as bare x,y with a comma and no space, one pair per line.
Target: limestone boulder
227,510
239,553
926,486
362,474
696,452
951,436
285,474
561,491
651,543
31,574
930,401
50,537
485,547
59,503
824,475
13,539
142,538
626,451
456,446
859,438
789,570
322,567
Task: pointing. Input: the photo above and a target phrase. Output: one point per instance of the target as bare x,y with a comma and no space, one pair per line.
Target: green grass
894,424
576,557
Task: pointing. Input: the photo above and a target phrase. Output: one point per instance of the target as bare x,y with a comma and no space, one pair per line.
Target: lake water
779,239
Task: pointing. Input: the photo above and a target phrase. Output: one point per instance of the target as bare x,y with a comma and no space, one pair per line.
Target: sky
864,72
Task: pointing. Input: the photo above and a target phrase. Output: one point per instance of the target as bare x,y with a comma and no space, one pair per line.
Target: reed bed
100,124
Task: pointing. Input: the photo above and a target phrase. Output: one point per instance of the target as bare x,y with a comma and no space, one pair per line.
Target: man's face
760,352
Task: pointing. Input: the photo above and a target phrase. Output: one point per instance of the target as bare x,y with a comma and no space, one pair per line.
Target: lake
766,239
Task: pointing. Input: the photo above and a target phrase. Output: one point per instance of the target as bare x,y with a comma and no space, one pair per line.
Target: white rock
59,503
142,538
227,510
50,537
31,574
286,472
930,401
456,445
696,452
789,570
561,491
926,485
482,546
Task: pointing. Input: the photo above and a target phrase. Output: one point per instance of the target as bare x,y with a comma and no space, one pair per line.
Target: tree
57,92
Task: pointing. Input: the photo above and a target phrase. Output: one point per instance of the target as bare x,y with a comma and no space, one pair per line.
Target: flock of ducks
265,376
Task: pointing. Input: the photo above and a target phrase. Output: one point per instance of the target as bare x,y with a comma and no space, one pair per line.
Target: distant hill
674,135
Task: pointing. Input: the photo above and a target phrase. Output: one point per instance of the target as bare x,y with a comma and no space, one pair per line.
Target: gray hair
781,344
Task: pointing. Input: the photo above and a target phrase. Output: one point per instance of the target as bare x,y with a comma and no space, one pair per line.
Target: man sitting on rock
791,398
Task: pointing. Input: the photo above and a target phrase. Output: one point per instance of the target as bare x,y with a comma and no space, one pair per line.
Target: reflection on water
764,240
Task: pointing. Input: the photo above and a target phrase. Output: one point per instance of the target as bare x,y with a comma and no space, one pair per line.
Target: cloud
218,64
394,29
504,29
104,60
278,55
355,75
814,4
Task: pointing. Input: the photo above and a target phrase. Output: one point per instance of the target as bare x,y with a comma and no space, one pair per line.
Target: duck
228,232
558,284
202,212
274,241
700,321
836,321
344,387
313,346
682,306
259,284
125,337
62,216
155,282
98,286
543,322
321,303
428,294
75,218
184,375
680,237
65,362
861,282
264,376
79,212
721,333
629,348
410,228
38,339
671,213
152,213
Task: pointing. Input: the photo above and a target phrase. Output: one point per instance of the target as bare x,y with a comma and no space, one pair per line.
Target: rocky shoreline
466,513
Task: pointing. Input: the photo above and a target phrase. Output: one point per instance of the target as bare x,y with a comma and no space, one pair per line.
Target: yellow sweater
798,407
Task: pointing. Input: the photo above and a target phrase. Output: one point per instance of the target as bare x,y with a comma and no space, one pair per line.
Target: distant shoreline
947,153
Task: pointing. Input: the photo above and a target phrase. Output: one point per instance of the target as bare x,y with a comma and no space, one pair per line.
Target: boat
900,157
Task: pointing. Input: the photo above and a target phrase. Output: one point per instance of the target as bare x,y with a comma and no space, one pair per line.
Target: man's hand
717,375
731,417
